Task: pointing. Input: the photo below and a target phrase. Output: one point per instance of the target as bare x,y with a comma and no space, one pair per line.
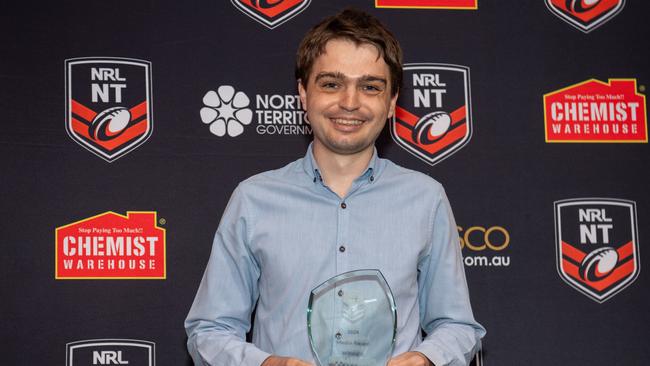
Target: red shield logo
433,117
585,15
597,245
271,13
108,104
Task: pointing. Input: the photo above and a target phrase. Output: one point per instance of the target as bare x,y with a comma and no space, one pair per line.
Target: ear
303,95
391,107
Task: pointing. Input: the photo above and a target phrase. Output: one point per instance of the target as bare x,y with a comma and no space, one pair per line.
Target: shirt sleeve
220,316
453,336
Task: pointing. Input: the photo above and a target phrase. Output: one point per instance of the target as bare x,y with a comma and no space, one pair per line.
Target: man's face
347,98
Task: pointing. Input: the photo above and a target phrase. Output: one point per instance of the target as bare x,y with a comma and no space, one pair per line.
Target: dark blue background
507,175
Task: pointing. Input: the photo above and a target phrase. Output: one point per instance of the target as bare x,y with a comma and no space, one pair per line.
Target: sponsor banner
585,15
110,352
111,246
428,4
597,245
230,112
108,104
595,111
485,246
271,13
433,117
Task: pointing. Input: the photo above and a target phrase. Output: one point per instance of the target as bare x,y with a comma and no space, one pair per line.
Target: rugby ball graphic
598,264
109,123
431,127
581,5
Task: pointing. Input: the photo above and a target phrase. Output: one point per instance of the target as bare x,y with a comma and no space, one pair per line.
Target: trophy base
348,361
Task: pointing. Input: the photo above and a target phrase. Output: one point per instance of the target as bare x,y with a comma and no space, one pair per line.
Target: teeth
347,122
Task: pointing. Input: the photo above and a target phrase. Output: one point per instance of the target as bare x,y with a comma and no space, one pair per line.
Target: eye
329,85
372,88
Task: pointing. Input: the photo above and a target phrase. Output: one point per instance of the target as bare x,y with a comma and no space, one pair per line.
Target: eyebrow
340,76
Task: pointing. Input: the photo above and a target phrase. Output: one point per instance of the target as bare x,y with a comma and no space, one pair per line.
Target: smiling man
347,100
339,208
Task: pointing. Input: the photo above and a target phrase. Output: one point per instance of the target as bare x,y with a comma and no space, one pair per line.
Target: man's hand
410,359
284,361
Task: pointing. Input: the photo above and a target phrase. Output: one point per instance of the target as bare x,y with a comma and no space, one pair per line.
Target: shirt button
372,177
340,292
343,205
342,248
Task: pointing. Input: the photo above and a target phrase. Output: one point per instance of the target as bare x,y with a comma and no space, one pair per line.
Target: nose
349,99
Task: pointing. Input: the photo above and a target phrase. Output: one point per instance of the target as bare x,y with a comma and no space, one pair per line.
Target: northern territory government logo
228,111
110,352
271,13
595,111
597,245
111,246
108,104
428,4
585,15
433,117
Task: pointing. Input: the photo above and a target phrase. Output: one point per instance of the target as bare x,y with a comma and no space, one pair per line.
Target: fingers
284,361
409,359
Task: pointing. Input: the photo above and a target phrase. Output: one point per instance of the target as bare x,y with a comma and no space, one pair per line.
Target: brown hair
358,27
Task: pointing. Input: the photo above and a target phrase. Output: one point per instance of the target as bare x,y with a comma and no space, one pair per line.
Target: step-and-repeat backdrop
128,124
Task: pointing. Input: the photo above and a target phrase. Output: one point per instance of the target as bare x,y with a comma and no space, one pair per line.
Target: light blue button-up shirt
284,232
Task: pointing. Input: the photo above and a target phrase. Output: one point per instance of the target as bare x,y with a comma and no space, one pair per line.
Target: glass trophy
352,320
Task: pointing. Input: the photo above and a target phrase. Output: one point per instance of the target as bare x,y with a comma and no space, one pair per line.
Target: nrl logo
433,117
597,245
111,352
108,104
585,15
271,13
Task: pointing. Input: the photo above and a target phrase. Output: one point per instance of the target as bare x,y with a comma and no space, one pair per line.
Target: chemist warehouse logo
597,245
111,246
428,4
271,13
230,112
433,117
595,111
585,15
110,352
108,104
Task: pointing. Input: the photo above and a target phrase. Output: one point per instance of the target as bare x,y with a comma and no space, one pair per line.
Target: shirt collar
370,173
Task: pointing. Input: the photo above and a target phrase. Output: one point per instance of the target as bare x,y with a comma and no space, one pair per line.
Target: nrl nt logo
271,13
585,15
597,245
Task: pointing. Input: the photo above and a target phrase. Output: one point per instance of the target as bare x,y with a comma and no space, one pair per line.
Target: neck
340,170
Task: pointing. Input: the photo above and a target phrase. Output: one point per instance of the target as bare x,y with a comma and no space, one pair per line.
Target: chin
348,148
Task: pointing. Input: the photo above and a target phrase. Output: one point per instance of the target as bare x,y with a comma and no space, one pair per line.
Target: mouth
347,121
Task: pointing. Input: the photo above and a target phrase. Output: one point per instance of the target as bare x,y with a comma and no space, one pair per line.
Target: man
338,209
